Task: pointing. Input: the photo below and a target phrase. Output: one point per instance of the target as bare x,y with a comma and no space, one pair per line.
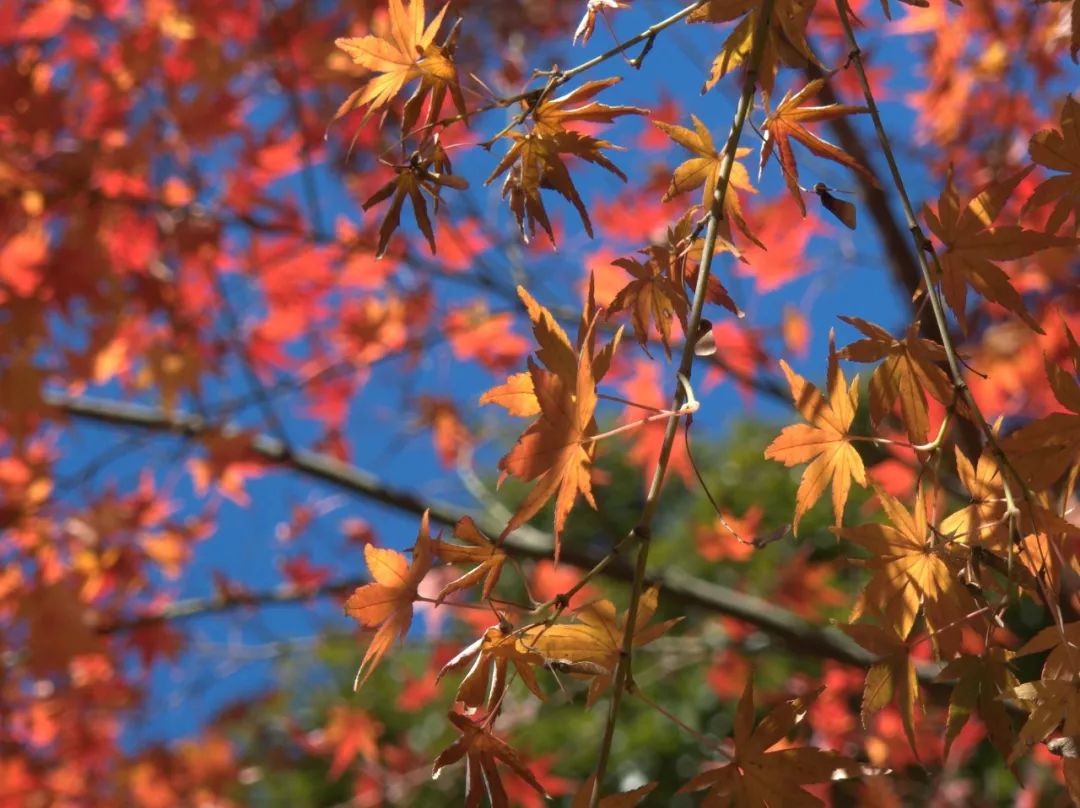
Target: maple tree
256,295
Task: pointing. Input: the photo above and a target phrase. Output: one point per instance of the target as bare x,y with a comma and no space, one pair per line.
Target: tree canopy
588,404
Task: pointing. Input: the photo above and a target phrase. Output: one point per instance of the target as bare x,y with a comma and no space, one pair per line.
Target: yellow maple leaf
703,171
912,569
910,368
823,441
981,681
1051,703
387,604
594,642
892,678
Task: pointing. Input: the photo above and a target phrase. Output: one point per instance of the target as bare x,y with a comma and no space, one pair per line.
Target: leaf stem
670,415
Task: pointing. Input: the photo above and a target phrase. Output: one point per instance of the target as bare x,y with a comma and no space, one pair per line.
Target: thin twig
652,498
559,77
796,633
926,253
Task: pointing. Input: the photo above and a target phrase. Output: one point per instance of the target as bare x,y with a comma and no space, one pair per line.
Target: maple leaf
1059,151
406,53
594,642
448,432
983,520
973,245
785,40
655,295
482,751
981,681
1063,661
426,172
351,732
556,449
703,171
824,441
891,678
535,157
787,124
910,569
910,368
516,395
387,604
681,251
479,550
551,115
489,660
757,777
1044,449
1051,703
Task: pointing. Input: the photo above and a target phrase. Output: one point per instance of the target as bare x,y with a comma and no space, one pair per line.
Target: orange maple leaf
785,38
1051,703
981,683
757,777
824,441
787,124
592,645
535,158
405,53
655,295
909,370
973,246
556,450
1063,661
1059,151
482,750
489,660
478,550
387,604
911,569
891,678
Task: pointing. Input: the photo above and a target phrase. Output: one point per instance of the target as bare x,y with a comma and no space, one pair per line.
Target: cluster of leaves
949,575
133,229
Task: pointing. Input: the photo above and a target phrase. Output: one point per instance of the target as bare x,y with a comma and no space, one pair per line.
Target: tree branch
794,632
